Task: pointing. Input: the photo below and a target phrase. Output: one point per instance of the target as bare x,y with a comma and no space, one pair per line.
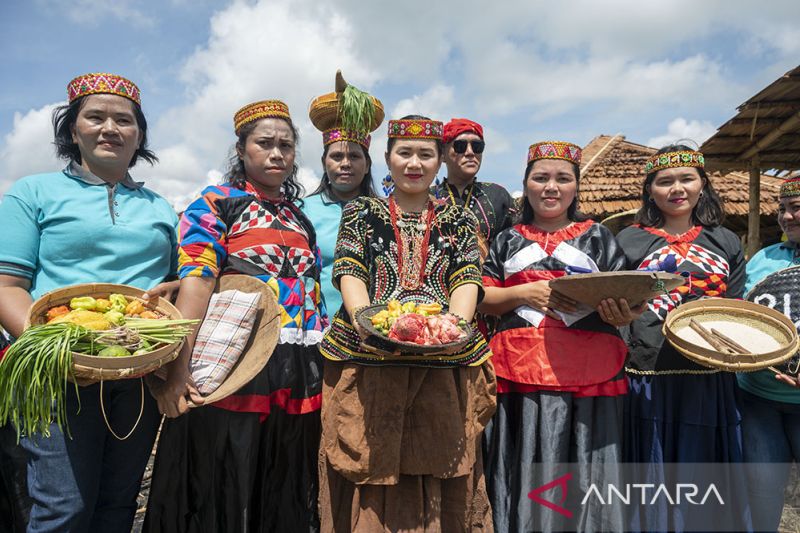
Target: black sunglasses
460,146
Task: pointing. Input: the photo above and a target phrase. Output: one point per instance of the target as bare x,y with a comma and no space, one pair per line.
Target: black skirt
236,471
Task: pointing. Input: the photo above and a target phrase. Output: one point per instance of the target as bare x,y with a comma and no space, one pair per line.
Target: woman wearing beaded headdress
560,379
770,400
345,118
89,223
678,411
248,461
400,446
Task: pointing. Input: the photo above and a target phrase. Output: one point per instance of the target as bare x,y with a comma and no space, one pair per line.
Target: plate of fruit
413,327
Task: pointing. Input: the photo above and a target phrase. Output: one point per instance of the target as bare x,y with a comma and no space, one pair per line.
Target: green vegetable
118,303
115,317
357,109
37,368
34,378
86,303
142,351
113,351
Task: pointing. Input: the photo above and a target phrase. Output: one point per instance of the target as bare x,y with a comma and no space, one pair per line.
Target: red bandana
457,126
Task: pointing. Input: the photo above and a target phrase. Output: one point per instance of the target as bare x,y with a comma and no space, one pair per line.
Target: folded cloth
222,337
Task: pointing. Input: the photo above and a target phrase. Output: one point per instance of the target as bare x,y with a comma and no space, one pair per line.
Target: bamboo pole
754,212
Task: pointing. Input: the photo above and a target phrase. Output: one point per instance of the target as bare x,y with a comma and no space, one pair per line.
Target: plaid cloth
222,337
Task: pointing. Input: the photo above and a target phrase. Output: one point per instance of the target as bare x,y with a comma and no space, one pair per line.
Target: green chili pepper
115,317
118,303
84,302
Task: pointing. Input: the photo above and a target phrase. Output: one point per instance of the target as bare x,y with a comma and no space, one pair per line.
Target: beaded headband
673,160
336,134
555,150
790,188
259,110
102,83
416,129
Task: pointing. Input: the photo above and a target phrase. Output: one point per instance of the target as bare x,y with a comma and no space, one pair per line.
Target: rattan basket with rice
324,110
765,336
89,368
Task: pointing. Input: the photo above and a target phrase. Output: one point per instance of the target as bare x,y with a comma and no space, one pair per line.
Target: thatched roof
612,174
767,126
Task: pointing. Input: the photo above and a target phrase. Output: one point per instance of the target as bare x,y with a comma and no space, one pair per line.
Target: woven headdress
555,150
348,114
102,83
259,110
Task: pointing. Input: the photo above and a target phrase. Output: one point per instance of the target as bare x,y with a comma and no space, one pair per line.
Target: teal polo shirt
765,262
70,227
326,215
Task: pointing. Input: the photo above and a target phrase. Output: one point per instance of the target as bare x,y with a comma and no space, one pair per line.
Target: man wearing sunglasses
490,203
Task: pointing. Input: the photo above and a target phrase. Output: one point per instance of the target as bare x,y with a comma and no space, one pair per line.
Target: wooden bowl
769,335
364,319
636,287
90,368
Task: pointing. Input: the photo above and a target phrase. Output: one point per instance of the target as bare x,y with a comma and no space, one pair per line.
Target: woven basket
89,368
635,286
738,312
324,110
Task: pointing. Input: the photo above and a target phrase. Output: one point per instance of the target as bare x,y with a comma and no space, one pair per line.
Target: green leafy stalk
37,369
356,109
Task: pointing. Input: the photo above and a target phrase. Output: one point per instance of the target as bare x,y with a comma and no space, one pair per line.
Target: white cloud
28,148
255,51
684,130
437,103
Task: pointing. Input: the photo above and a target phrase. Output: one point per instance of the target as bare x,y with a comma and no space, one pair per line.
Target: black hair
708,211
439,142
236,175
527,215
366,187
64,119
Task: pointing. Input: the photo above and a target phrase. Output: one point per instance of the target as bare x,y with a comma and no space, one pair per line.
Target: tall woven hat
347,114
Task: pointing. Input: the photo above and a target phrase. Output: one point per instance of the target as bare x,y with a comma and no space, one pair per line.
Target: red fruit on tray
408,327
432,330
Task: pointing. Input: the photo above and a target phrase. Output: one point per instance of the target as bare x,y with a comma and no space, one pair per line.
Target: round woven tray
364,320
738,312
89,368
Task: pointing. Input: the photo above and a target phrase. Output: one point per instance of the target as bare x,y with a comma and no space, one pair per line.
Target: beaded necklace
412,244
468,201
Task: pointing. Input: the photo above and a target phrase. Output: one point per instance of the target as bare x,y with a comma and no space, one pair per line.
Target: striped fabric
222,337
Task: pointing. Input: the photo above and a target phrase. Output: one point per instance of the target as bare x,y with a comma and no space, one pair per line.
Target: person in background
346,172
489,202
770,401
91,222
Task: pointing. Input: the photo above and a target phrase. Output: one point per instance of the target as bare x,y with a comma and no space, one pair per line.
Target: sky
527,70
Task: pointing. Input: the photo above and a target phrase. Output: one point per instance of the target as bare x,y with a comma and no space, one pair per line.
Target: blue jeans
90,483
771,442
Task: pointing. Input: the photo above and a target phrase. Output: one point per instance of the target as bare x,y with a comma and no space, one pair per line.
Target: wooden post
754,214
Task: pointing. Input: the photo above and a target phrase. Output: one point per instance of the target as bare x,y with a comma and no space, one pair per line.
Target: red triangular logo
558,482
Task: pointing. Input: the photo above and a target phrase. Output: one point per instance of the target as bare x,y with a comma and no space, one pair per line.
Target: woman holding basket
90,222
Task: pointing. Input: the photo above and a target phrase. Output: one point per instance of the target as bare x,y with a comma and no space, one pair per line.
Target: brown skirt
401,448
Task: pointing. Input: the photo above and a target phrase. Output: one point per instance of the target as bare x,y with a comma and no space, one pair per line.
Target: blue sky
528,71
